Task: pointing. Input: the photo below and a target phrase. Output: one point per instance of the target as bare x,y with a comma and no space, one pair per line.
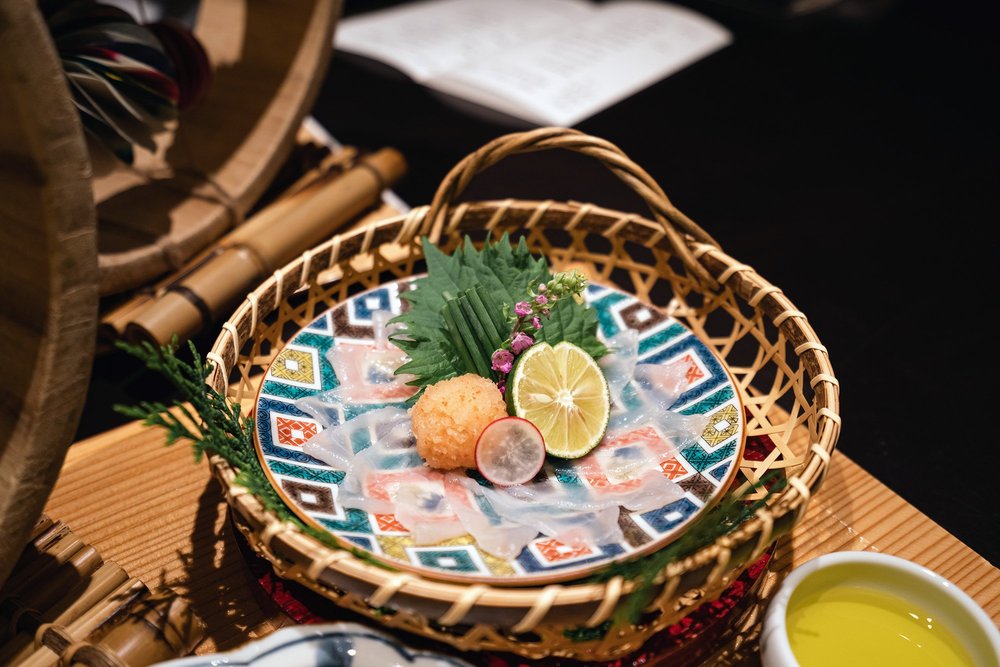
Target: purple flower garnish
522,308
521,342
503,361
536,322
542,287
541,299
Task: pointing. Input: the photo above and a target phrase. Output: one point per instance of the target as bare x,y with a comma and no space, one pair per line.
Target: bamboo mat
160,516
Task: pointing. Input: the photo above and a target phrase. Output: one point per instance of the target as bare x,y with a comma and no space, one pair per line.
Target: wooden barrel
48,272
268,58
73,226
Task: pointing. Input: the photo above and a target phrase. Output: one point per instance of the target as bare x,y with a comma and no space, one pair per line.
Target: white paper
551,62
436,36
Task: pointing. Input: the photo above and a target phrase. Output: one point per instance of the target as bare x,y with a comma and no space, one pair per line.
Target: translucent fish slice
648,399
385,475
619,364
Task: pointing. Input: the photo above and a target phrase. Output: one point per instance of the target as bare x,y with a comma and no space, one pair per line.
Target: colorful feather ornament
127,79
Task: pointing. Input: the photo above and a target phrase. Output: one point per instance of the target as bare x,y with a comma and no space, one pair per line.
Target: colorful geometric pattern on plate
703,469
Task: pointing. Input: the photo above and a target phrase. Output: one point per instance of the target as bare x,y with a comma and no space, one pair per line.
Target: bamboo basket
789,390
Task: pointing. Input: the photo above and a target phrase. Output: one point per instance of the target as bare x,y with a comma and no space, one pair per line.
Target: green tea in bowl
863,608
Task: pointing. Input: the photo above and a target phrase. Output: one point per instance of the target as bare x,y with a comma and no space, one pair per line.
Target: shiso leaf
568,321
501,274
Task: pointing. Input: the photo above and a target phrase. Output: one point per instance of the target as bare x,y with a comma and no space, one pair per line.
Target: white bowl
951,606
323,645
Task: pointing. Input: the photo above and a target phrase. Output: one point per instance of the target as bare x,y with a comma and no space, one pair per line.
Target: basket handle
674,223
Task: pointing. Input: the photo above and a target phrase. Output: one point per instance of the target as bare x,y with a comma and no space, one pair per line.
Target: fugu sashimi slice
382,330
367,383
366,372
647,400
619,364
544,509
385,475
492,533
628,468
338,443
423,507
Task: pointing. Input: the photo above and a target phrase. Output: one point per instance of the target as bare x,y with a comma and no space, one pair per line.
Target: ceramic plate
703,469
333,645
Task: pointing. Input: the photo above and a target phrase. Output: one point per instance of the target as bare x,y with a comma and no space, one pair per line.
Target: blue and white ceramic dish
327,645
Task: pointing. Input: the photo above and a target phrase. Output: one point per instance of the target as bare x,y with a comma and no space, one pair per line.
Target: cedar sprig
731,512
203,416
212,425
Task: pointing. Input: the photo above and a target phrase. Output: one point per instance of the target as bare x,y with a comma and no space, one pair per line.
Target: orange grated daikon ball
450,415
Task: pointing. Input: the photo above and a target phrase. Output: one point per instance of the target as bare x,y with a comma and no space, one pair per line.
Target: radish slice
510,451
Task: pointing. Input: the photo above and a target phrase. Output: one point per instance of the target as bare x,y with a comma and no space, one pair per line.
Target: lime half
562,391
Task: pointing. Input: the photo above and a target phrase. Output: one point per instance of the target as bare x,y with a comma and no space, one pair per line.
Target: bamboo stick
42,525
74,603
157,628
260,246
90,624
113,324
55,555
45,539
33,602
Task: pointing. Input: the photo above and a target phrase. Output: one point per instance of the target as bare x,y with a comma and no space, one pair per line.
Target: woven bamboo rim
777,360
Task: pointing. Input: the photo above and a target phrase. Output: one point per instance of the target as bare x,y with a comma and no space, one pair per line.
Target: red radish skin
488,440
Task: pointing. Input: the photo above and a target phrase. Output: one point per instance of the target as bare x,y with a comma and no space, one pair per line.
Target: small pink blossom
502,386
542,287
545,312
521,342
522,308
536,322
541,299
503,361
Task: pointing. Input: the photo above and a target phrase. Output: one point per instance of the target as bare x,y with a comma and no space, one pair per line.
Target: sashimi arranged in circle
701,470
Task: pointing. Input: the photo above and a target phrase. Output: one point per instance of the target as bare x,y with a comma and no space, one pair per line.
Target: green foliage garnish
475,325
460,312
731,512
570,321
214,426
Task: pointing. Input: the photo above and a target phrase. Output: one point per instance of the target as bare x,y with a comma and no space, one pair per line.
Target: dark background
848,157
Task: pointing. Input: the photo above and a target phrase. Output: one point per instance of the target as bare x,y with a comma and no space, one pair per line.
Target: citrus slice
562,391
510,451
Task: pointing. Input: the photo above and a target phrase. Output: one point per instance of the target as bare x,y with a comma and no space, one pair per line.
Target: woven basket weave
788,385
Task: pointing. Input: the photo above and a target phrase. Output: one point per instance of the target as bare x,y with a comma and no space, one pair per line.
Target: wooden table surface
162,517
